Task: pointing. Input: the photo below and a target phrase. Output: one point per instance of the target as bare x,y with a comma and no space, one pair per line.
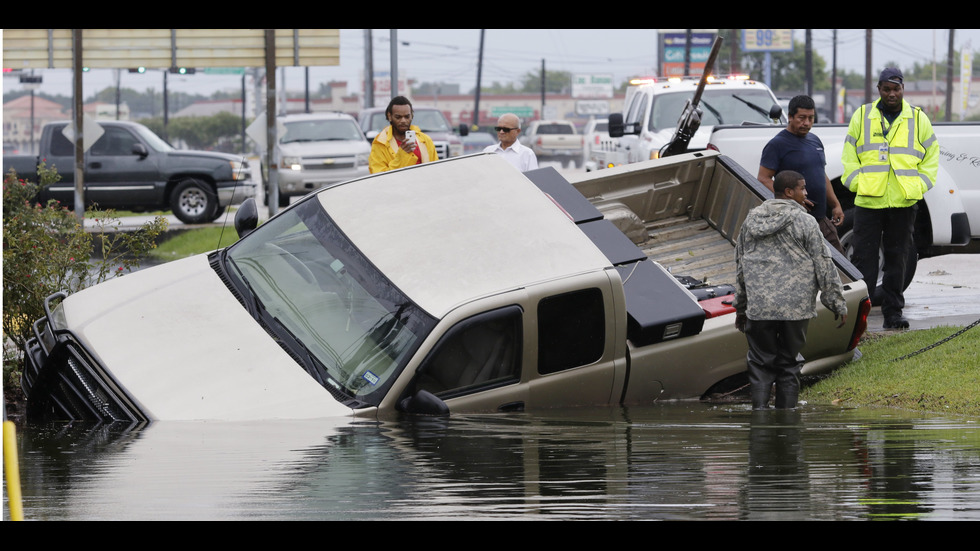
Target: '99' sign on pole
767,40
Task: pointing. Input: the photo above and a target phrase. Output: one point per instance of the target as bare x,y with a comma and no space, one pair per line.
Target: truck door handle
95,165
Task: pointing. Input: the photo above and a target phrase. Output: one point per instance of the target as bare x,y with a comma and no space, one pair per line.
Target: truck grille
328,163
442,149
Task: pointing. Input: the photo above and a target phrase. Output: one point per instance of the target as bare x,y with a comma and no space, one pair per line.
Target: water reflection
681,462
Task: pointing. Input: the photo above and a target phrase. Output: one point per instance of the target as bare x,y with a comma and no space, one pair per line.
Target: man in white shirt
508,128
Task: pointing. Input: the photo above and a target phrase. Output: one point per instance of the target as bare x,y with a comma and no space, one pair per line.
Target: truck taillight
713,147
861,325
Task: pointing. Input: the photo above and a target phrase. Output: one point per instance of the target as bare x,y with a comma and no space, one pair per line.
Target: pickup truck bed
688,238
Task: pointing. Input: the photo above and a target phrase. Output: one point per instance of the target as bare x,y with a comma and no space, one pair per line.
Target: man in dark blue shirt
794,148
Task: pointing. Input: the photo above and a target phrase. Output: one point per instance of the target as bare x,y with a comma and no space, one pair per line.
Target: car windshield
328,306
321,130
555,129
719,107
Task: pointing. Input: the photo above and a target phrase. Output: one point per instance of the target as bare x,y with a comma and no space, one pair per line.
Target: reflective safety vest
878,151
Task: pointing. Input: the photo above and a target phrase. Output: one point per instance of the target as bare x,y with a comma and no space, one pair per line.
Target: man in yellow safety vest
891,158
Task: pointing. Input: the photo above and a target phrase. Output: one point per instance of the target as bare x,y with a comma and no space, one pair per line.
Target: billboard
674,47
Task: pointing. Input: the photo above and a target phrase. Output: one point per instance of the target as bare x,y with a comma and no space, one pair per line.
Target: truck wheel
193,202
911,262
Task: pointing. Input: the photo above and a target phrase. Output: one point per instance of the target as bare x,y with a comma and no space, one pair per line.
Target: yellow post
12,470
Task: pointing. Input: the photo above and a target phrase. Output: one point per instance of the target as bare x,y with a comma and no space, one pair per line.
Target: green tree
46,249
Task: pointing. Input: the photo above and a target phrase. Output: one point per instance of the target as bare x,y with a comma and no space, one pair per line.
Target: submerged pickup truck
129,167
457,286
948,219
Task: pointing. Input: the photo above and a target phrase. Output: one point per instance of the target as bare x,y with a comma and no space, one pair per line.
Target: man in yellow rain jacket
390,148
891,158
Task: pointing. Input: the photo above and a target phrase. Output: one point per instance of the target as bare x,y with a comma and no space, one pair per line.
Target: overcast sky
450,55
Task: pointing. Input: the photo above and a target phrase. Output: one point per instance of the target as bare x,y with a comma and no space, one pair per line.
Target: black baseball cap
891,74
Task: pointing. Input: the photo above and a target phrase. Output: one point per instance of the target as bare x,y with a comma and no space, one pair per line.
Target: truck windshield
322,130
155,142
330,308
723,106
430,120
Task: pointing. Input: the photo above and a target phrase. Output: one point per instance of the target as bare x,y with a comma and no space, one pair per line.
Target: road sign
91,131
522,112
592,86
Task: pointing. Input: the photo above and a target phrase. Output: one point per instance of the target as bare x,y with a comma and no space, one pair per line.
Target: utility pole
368,70
479,72
808,53
868,70
833,82
542,87
949,79
394,62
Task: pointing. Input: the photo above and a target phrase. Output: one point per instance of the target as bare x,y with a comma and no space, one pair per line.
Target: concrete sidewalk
944,291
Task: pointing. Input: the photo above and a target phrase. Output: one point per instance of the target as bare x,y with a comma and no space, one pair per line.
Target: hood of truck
183,347
324,148
453,231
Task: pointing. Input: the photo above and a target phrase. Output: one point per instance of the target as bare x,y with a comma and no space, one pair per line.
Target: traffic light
138,70
183,70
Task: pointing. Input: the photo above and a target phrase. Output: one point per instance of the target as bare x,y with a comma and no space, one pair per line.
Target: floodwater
687,461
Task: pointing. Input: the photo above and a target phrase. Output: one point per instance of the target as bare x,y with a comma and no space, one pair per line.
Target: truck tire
910,264
193,202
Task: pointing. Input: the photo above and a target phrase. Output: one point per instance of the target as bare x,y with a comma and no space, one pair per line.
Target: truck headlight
292,163
361,159
239,170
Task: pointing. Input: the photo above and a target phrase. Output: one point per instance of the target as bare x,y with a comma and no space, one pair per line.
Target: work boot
760,399
787,394
896,322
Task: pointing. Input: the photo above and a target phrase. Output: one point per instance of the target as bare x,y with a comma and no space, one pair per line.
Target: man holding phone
401,144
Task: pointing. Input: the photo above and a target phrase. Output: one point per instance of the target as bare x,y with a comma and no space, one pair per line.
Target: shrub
46,249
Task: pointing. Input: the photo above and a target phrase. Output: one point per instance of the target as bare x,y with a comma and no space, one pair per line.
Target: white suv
317,149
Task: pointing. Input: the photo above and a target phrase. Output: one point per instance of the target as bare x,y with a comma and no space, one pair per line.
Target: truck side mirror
776,112
423,402
247,217
464,130
615,125
140,149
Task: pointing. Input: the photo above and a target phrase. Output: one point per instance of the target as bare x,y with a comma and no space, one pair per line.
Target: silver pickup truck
457,286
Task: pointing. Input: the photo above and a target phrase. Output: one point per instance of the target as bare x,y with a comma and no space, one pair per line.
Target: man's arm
765,176
837,213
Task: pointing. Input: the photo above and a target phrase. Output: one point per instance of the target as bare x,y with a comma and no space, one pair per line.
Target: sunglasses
503,129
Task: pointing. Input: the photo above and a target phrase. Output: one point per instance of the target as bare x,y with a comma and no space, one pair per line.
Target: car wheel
193,202
911,262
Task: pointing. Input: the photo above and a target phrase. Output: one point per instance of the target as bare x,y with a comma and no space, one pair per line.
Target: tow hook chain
935,344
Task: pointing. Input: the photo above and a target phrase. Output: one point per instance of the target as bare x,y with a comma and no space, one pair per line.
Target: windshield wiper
752,106
713,111
255,307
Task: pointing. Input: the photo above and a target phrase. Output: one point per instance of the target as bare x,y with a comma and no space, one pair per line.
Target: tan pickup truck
555,140
457,286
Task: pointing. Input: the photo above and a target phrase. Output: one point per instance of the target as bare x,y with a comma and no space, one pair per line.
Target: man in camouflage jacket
782,262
